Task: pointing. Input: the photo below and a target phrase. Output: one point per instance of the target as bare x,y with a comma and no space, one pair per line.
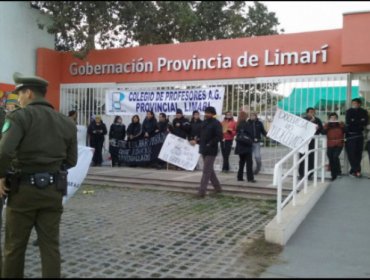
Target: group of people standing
186,129
339,134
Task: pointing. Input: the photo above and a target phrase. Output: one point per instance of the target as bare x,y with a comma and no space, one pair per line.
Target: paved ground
119,232
334,240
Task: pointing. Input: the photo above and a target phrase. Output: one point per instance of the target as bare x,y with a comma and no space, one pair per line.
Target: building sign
291,130
195,63
119,102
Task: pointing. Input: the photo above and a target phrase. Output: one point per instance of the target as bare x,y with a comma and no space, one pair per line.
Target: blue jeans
257,156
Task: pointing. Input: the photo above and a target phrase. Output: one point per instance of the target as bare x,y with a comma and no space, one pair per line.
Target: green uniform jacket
37,139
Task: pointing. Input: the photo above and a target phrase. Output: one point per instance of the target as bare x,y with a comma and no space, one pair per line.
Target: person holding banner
162,124
334,131
149,124
195,127
244,147
210,136
117,132
134,129
97,130
180,125
229,132
162,127
310,116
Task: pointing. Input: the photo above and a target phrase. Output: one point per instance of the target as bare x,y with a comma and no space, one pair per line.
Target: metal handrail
280,176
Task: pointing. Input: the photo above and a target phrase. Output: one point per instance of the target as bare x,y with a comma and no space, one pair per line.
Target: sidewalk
334,239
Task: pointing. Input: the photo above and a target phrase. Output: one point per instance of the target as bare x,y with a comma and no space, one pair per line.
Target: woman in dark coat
134,129
117,132
244,150
97,130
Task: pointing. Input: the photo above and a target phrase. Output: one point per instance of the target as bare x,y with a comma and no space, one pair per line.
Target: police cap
28,81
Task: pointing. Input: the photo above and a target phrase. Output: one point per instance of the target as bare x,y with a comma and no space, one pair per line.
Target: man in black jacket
356,120
210,136
180,125
310,116
195,127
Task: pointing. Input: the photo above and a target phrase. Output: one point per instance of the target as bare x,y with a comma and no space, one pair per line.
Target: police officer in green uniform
36,142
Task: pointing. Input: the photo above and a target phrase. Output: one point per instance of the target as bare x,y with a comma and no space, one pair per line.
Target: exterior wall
20,38
356,38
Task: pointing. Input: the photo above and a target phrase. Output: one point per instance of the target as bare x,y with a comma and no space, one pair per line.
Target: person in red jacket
229,132
334,131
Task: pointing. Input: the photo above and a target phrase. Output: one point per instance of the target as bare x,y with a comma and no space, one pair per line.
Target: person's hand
178,124
192,142
3,188
156,131
131,136
146,134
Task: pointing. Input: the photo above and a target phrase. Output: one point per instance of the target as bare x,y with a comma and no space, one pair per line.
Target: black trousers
246,159
354,147
114,155
226,150
98,154
333,154
311,160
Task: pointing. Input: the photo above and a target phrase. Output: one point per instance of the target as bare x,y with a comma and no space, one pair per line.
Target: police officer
36,142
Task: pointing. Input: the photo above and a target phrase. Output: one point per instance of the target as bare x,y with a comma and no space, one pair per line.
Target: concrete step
257,190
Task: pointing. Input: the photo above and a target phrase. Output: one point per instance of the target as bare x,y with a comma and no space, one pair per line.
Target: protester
11,102
310,116
334,131
162,124
162,127
356,120
195,127
97,130
210,135
149,124
73,116
180,125
229,132
257,130
117,132
244,147
134,129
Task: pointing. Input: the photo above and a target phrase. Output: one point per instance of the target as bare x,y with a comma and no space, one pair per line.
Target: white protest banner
77,174
122,102
179,152
290,130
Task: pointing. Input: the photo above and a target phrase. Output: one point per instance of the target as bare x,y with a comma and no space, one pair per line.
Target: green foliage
85,25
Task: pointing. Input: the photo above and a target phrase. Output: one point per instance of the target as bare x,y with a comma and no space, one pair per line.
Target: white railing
280,175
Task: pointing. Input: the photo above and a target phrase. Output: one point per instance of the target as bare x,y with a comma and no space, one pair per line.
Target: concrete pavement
334,239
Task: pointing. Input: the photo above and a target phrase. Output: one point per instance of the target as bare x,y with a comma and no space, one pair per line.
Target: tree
85,25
